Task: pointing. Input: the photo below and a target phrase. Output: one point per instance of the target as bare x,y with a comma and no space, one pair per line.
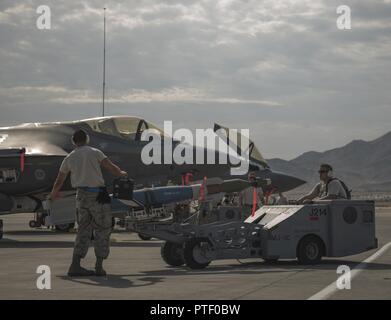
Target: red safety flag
187,178
201,196
22,153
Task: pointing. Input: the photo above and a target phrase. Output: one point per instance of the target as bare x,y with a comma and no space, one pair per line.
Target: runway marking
332,288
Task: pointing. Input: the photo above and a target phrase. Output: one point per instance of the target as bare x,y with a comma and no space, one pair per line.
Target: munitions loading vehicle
329,228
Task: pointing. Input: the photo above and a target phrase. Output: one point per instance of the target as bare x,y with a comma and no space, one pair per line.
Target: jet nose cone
285,182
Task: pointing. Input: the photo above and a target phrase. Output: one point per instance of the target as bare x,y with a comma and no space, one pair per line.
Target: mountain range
362,165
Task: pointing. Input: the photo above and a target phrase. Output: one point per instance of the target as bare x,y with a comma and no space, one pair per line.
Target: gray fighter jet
31,154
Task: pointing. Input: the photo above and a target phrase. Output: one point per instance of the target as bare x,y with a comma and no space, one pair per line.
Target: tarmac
136,270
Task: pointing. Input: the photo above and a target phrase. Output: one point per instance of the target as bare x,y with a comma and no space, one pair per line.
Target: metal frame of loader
331,228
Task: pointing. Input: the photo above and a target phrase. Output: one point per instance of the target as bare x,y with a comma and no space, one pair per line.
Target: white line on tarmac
332,288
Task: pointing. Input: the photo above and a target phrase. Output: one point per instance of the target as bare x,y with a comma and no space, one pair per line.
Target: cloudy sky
281,68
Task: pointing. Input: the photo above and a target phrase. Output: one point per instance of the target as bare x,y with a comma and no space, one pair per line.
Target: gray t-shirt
84,165
334,188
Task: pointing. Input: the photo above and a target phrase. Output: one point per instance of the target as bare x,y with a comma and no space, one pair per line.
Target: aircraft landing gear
38,221
33,224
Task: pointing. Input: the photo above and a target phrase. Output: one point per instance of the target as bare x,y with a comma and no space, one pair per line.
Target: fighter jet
31,154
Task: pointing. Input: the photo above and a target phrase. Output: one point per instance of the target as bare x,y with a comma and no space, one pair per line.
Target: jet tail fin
238,141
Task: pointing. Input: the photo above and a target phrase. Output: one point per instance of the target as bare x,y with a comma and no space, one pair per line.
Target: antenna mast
104,61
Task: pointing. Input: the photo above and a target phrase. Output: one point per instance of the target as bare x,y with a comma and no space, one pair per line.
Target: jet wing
238,141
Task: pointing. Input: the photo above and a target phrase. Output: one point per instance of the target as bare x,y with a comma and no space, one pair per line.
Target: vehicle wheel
33,224
195,253
172,253
64,227
113,222
310,250
144,237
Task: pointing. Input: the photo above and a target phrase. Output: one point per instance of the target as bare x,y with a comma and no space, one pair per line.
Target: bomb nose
285,182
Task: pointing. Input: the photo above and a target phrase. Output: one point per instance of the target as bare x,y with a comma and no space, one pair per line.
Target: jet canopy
129,128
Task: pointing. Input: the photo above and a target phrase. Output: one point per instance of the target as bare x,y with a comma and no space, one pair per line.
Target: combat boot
76,270
99,271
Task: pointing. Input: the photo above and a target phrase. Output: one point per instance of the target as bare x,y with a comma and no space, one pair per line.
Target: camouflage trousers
92,219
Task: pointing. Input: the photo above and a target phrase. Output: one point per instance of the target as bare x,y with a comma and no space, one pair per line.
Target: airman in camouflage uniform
92,201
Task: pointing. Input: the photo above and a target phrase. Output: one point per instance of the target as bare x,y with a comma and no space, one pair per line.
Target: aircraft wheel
195,251
310,250
33,224
64,227
144,237
172,254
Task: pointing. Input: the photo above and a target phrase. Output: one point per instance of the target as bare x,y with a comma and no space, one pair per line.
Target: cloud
57,94
16,15
278,67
